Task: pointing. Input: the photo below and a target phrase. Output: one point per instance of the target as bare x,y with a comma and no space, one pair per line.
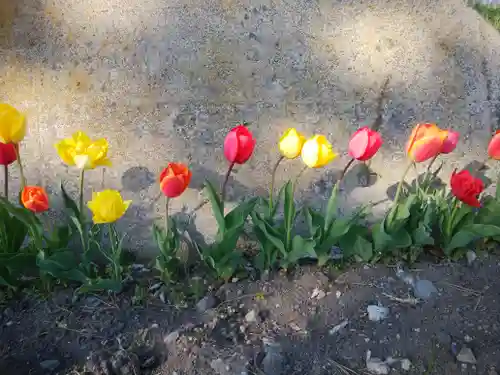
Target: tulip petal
451,141
172,186
231,145
494,147
359,143
12,124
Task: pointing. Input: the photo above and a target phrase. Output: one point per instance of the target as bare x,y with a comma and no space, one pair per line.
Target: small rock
377,313
318,294
471,257
376,365
466,356
492,371
50,364
251,316
467,338
405,364
338,293
338,327
424,289
206,303
171,338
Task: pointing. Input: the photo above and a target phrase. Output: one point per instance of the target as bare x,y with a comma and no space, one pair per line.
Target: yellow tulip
317,152
83,152
107,206
291,143
12,124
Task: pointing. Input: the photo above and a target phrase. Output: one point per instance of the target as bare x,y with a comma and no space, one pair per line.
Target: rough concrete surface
165,80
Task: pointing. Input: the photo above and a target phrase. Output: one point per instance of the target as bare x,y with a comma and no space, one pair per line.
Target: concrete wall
165,80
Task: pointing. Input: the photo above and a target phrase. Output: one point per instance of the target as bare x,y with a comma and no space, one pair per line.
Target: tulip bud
8,153
35,199
291,143
494,146
12,124
239,145
174,179
364,144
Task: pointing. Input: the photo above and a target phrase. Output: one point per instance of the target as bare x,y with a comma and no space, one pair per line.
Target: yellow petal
12,124
291,143
81,161
65,151
310,152
326,154
107,206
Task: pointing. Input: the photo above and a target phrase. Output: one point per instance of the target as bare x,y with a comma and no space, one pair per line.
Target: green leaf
101,285
289,208
497,191
263,227
331,209
301,249
470,233
217,207
363,249
238,216
69,203
277,202
422,236
306,211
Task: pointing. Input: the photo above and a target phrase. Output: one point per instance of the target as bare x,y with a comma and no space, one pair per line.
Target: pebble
471,257
206,303
338,327
318,294
171,338
251,316
466,356
405,364
50,364
424,289
376,365
377,313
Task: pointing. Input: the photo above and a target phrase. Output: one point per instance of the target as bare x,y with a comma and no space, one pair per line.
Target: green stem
426,181
298,177
417,184
400,186
224,184
6,180
82,179
167,200
346,168
271,187
115,250
21,170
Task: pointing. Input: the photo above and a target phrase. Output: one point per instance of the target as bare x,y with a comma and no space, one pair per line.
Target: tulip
35,199
317,152
8,153
425,142
80,151
364,144
12,124
494,146
451,141
466,187
107,206
174,179
291,143
239,145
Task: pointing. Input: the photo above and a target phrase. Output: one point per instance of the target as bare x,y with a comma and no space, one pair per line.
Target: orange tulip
174,179
425,142
35,199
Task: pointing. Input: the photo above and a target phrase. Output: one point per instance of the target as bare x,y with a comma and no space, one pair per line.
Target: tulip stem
21,170
271,187
346,168
82,179
224,184
298,177
453,214
400,186
167,201
6,180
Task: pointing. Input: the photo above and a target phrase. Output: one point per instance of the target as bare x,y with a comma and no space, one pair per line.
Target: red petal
359,143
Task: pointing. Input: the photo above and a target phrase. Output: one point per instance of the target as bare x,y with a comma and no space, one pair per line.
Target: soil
308,322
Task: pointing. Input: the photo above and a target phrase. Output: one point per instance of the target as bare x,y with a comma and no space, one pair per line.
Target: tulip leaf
331,210
290,212
69,203
301,249
277,202
497,190
363,248
238,216
422,236
266,231
217,207
470,233
109,285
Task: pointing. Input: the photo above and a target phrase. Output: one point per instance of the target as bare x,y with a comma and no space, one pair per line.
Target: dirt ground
304,323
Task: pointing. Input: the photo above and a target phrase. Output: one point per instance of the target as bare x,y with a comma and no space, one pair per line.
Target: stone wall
165,80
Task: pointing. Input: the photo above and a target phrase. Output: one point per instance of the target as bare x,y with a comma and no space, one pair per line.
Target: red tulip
364,143
35,199
174,179
239,145
450,143
494,146
7,153
425,142
466,187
